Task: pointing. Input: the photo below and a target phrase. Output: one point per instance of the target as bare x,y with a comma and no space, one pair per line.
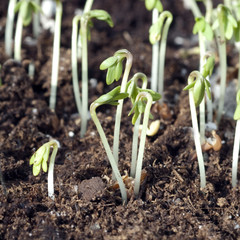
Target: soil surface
171,204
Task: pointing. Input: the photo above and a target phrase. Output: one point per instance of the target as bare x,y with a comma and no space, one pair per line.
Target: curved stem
76,90
137,181
120,105
108,152
196,134
84,114
56,53
235,154
162,52
51,170
18,38
9,28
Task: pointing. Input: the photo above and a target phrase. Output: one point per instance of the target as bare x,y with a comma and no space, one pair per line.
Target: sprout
111,98
159,30
86,23
114,72
236,141
151,4
141,107
56,53
26,8
39,160
223,26
197,86
9,27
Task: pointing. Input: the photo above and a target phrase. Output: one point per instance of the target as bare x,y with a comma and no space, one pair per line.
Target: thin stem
196,135
155,50
51,170
235,154
36,21
108,152
76,90
9,28
194,8
137,181
162,52
84,114
18,38
223,71
202,48
88,6
120,105
56,53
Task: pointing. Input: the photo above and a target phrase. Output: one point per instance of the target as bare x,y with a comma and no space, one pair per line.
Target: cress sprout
25,9
85,25
158,32
114,71
111,98
236,141
39,160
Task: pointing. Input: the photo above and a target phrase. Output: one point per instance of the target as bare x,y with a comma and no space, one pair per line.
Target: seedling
197,85
141,107
86,24
114,72
26,8
223,26
9,27
111,98
56,53
236,141
39,160
159,30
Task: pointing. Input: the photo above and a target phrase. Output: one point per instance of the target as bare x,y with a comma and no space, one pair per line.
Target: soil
171,205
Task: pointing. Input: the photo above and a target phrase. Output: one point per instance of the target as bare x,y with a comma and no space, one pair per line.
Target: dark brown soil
171,205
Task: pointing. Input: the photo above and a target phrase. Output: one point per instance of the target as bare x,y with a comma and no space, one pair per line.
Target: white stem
84,115
197,140
51,171
88,6
36,22
155,52
109,153
76,90
18,38
137,181
56,54
9,28
235,154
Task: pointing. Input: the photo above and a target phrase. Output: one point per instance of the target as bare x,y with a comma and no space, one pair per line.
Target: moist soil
87,206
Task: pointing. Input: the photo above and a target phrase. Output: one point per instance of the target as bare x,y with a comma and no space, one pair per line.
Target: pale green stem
136,128
197,135
155,50
209,108
202,48
88,6
223,71
195,9
76,90
162,52
36,22
137,181
84,115
18,38
120,106
9,28
238,85
208,5
51,169
235,154
56,54
108,152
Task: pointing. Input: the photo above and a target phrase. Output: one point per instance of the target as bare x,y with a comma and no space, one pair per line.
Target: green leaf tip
101,15
151,4
204,27
236,115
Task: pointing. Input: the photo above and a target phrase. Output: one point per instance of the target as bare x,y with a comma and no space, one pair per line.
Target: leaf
228,30
208,32
198,91
39,155
150,4
17,6
108,62
159,6
236,32
236,115
189,86
207,85
155,96
110,75
141,106
45,158
31,162
101,15
118,70
36,169
208,67
155,32
199,25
